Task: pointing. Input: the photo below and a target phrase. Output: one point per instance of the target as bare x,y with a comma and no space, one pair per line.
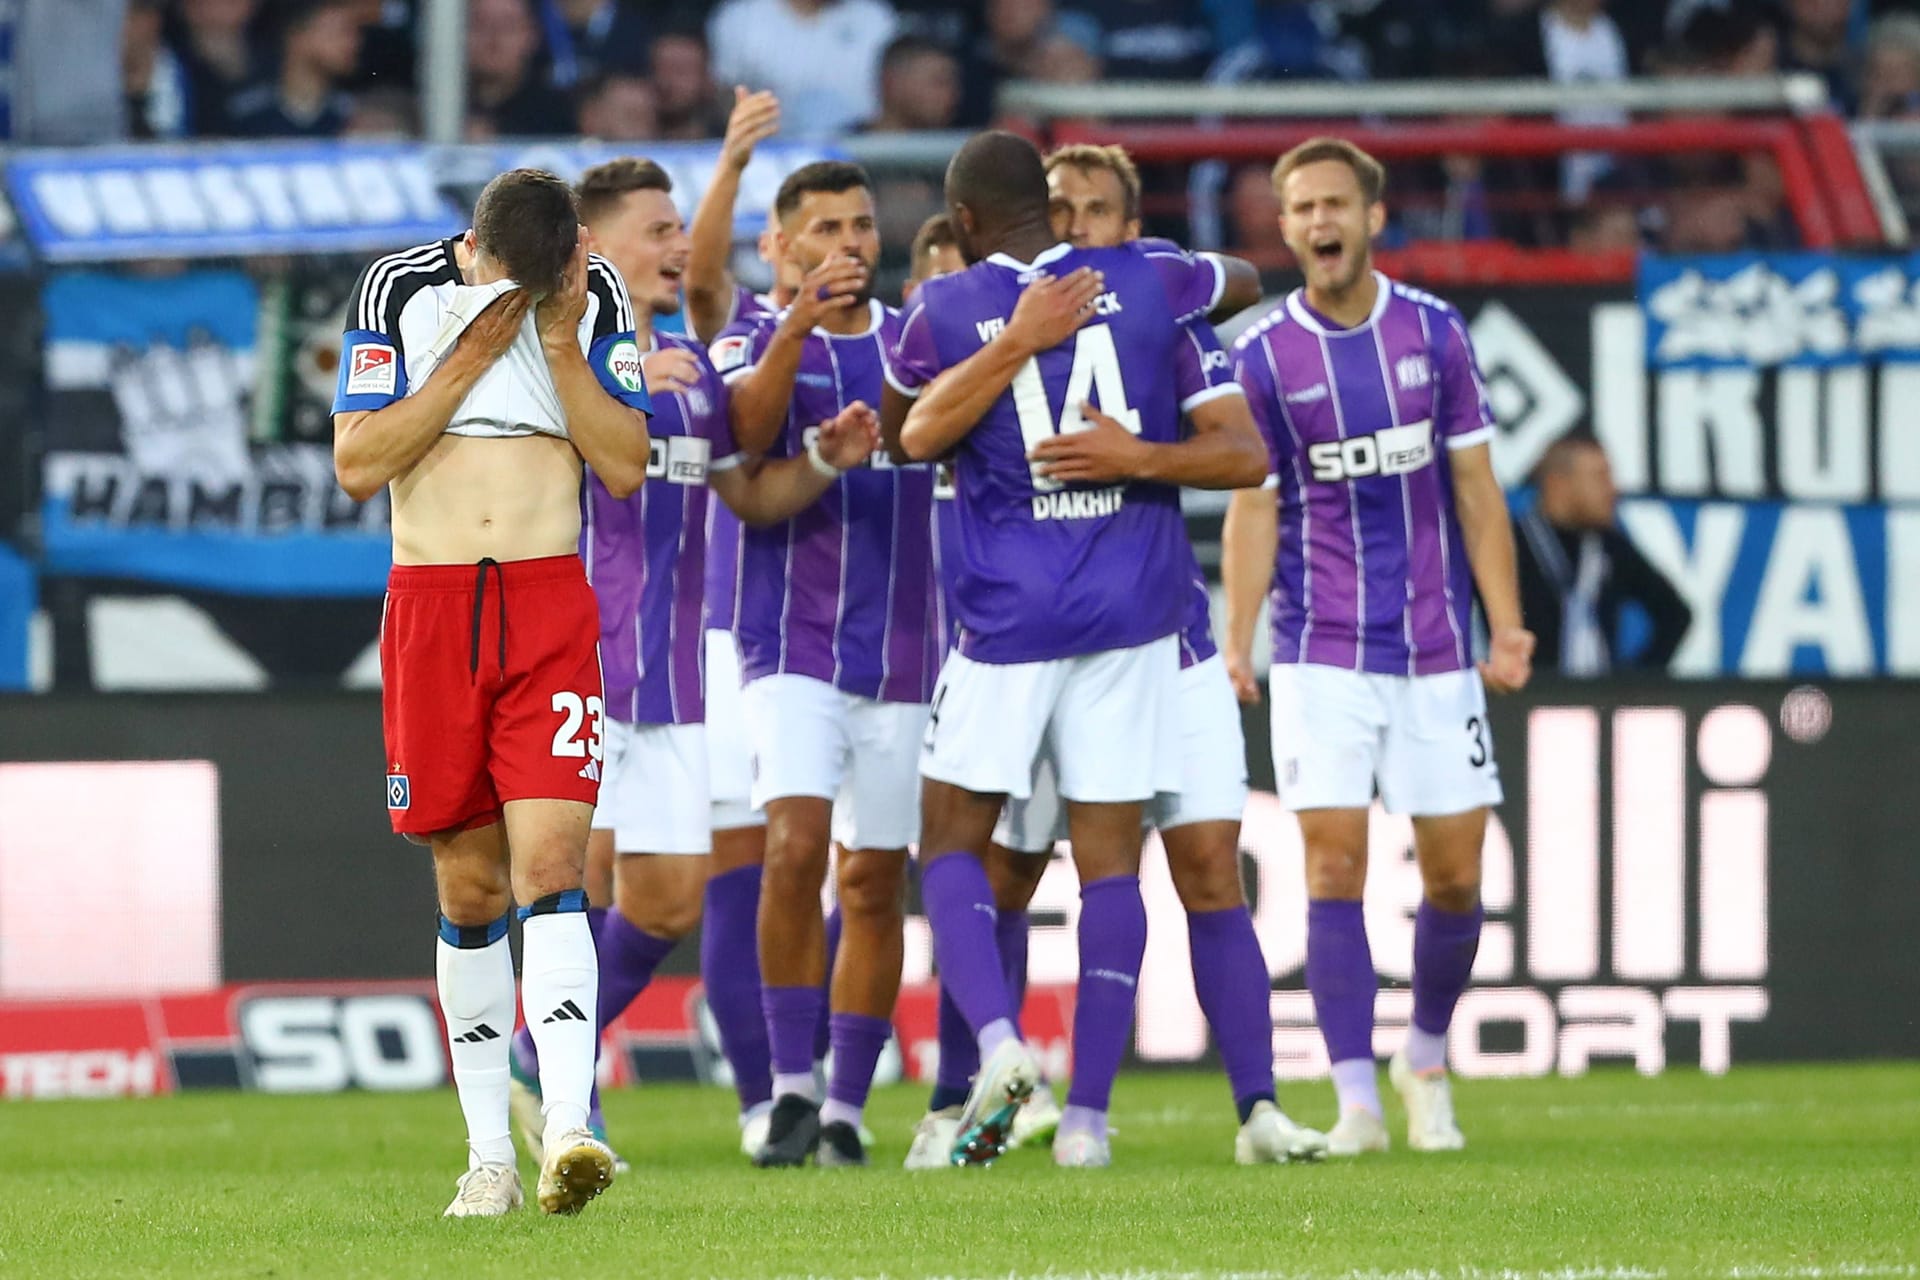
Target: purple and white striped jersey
1198,367
1372,572
725,533
1036,570
845,591
646,555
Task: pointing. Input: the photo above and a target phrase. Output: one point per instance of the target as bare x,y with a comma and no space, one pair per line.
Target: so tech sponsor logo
679,459
1392,452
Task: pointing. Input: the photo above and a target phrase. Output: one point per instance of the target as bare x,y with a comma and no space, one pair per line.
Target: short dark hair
902,49
822,177
1559,455
935,233
1370,173
528,221
999,177
602,187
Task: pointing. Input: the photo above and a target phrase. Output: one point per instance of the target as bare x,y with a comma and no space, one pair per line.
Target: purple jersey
1372,570
725,533
845,591
1200,370
646,555
1036,569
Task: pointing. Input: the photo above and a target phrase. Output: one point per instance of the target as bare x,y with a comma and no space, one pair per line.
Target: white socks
476,997
560,992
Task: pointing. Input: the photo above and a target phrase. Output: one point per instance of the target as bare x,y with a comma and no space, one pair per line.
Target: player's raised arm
1048,313
708,283
766,492
371,446
610,433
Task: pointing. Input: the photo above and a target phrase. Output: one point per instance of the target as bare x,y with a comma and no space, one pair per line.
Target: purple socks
628,957
959,907
823,1034
857,1042
1113,939
959,1051
1230,977
793,1014
1444,945
1341,978
730,971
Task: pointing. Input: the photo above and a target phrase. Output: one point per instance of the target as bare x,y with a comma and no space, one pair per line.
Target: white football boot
1429,1102
1005,1082
1269,1137
933,1140
578,1167
1038,1121
1358,1132
1081,1149
486,1191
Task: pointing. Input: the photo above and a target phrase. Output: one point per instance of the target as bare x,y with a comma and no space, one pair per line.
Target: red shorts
492,690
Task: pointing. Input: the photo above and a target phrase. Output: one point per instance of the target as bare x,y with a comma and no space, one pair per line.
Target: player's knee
474,898
1209,884
872,888
1335,871
664,915
1455,889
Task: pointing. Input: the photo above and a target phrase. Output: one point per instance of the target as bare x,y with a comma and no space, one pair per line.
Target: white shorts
1423,739
1213,770
811,739
729,750
653,788
1103,719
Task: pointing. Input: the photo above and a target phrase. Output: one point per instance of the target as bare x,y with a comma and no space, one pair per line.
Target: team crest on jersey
730,353
623,365
372,369
399,791
1412,371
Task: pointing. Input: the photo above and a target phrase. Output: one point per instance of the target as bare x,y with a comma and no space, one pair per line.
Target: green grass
1766,1173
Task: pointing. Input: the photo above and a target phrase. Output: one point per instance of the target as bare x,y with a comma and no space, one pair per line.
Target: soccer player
1068,573
478,374
837,626
1095,194
1383,519
646,556
935,252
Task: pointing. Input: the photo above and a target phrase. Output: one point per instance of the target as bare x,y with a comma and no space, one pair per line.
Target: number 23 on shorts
576,711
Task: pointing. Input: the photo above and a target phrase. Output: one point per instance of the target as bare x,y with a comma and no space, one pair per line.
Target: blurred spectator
154,81
387,49
1705,219
1069,54
620,108
1014,33
319,48
589,38
1890,76
1604,228
1148,39
1577,570
919,87
1723,37
1573,41
504,93
951,26
1305,39
1816,41
384,113
60,72
220,60
689,103
1253,214
822,57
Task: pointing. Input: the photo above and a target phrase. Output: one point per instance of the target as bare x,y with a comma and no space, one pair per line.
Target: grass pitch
1765,1174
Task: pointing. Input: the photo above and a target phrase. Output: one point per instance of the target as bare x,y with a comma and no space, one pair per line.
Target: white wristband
819,463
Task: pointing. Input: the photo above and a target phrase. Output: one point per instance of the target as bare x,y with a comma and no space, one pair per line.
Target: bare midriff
474,497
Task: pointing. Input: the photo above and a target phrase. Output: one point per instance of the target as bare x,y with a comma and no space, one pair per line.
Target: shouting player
836,621
646,555
1385,518
1068,571
477,374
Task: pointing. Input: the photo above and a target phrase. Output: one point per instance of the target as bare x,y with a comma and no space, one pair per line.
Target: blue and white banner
155,470
109,204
